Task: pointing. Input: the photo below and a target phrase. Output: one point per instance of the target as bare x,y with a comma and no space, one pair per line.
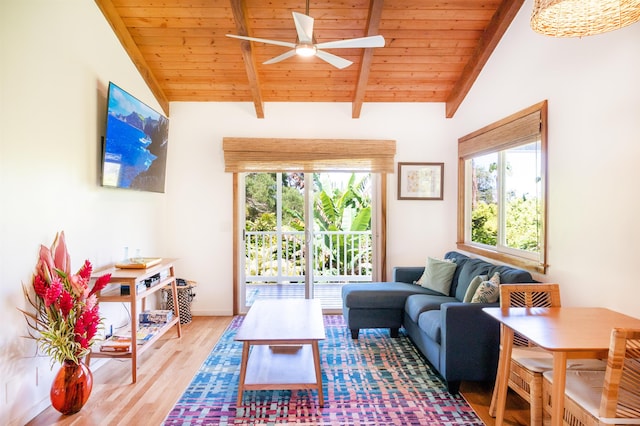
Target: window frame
245,155
518,129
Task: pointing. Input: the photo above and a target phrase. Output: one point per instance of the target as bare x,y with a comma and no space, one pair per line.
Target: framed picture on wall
420,181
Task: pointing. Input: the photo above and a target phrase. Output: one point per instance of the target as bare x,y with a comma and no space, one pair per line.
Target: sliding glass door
287,216
274,236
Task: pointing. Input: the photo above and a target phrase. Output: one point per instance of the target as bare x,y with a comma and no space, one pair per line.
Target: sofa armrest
407,274
470,342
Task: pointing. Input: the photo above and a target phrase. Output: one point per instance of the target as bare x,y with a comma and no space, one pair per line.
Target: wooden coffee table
284,334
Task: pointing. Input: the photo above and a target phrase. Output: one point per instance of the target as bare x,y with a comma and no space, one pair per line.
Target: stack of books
116,344
146,332
150,324
156,317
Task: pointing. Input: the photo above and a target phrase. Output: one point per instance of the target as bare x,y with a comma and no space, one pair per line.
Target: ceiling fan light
579,18
306,50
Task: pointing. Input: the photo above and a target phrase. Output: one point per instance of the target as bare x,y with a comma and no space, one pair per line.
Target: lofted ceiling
434,49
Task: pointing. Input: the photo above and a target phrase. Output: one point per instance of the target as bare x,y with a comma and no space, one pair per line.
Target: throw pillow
438,275
423,277
473,286
488,291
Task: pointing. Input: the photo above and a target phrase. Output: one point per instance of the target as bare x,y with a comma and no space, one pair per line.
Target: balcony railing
278,257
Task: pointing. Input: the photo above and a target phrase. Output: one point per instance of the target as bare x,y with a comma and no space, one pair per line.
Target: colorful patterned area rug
375,380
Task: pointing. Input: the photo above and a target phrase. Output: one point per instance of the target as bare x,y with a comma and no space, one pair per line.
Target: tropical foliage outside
339,205
522,212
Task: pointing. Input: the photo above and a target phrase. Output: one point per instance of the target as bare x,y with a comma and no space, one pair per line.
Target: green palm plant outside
335,211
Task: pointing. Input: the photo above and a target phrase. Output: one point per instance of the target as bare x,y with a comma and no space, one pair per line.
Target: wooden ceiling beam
183,54
373,25
238,7
120,29
501,20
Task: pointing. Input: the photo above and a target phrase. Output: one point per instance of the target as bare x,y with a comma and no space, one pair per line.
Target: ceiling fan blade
279,58
263,40
304,27
372,41
334,60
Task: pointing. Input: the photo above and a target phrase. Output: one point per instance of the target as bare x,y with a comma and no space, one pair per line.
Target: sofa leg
394,332
354,333
453,387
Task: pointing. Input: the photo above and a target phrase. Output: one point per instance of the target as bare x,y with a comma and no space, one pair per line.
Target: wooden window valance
308,155
515,130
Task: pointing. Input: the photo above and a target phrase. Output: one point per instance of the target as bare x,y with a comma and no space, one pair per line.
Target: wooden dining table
566,332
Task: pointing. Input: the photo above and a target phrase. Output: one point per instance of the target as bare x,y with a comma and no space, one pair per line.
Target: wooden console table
135,278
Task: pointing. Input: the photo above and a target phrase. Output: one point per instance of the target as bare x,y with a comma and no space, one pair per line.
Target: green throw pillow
488,291
438,275
473,286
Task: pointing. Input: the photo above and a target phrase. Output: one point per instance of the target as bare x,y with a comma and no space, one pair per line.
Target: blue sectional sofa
459,340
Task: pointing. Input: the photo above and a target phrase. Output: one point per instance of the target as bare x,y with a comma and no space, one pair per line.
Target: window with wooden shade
502,190
308,155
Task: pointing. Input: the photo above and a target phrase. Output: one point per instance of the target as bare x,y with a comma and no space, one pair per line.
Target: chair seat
583,387
594,398
538,360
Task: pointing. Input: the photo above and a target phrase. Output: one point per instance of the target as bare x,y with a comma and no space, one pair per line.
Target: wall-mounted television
135,145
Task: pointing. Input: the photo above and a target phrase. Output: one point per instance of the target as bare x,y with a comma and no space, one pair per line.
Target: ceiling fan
306,44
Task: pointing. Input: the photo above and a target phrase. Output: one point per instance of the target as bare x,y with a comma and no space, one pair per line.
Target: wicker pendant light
579,18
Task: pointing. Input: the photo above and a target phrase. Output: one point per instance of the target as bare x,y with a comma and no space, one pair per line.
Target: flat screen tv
135,145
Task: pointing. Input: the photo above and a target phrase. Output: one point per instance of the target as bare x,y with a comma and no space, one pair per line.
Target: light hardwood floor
166,370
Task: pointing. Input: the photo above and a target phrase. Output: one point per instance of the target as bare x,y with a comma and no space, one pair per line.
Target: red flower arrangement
66,317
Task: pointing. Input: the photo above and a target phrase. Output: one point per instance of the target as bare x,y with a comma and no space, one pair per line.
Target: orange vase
71,387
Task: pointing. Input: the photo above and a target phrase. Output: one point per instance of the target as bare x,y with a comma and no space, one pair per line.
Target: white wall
56,60
594,102
201,193
593,90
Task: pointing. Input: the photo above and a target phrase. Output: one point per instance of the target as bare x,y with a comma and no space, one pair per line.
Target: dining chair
594,398
529,362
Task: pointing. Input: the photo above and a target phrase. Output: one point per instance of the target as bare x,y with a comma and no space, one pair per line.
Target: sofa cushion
509,275
385,295
488,291
437,275
473,267
470,269
460,260
430,323
473,286
419,303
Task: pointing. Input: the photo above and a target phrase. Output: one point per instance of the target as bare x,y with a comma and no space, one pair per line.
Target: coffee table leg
316,362
243,371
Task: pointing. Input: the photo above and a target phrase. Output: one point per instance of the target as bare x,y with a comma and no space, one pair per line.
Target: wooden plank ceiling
434,49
